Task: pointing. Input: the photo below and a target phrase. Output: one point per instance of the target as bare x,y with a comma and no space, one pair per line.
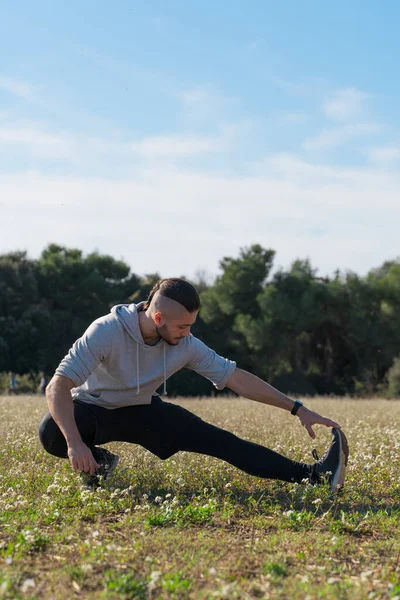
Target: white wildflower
86,568
27,584
154,578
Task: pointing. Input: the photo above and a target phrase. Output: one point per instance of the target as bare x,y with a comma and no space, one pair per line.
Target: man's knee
52,438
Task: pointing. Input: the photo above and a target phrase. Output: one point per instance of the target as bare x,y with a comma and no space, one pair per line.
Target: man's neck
148,329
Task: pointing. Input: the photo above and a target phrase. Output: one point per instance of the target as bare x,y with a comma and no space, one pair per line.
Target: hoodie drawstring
137,370
165,393
165,375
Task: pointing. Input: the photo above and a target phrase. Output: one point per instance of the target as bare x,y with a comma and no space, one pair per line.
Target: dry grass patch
195,527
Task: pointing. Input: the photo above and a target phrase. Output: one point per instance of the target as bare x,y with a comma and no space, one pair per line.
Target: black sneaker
107,461
332,466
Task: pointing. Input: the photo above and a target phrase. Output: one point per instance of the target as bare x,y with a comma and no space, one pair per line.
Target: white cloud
308,88
319,176
175,221
345,105
16,87
177,145
34,139
205,104
196,96
331,138
167,219
384,154
4,115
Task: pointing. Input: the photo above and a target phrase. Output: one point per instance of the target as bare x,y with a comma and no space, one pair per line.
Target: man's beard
163,333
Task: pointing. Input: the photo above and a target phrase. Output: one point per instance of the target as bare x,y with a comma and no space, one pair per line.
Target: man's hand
252,387
81,458
308,418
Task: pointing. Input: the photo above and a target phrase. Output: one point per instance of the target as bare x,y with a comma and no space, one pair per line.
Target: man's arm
61,407
82,359
249,386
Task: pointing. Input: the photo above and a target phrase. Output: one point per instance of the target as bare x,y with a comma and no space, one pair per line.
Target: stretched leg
252,458
179,429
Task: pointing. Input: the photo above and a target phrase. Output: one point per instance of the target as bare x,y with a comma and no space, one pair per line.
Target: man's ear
158,319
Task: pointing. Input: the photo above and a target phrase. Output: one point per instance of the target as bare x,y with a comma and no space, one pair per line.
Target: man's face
173,330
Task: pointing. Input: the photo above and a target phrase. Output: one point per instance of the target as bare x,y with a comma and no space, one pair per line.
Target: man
12,386
43,383
104,390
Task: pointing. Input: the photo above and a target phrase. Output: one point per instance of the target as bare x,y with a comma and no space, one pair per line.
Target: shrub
26,384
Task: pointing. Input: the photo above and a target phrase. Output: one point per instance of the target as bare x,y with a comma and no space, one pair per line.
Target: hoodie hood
127,315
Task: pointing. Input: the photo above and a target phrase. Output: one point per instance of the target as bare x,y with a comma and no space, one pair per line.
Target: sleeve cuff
228,374
65,372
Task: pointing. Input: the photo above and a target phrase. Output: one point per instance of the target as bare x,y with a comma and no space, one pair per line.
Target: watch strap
296,407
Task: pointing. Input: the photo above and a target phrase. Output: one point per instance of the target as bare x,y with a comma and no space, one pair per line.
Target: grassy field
195,527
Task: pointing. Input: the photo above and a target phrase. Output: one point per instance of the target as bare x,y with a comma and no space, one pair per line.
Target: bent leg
52,439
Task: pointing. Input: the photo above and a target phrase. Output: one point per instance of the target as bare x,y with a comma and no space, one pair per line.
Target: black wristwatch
296,407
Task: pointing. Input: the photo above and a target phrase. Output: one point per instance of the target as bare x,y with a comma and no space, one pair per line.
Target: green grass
197,528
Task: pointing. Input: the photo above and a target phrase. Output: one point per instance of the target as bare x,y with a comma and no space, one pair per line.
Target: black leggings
164,429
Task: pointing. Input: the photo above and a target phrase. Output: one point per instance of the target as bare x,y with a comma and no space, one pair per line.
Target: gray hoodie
111,366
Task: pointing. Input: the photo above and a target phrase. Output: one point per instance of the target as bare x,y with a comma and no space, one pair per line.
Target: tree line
302,333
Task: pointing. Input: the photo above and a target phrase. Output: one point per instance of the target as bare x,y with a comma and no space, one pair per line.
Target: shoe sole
337,482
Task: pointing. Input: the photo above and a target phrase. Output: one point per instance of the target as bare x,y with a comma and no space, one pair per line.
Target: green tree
77,290
284,340
233,294
18,285
301,332
23,315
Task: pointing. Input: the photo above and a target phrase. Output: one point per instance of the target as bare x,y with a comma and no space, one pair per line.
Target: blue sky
171,134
